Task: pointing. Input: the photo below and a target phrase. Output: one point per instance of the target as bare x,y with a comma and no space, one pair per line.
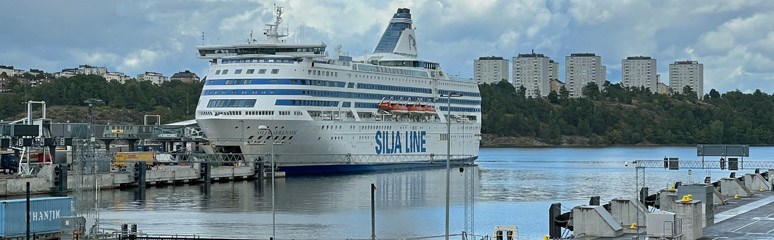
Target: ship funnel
399,37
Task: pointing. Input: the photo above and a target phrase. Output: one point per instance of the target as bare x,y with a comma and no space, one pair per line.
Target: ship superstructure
380,111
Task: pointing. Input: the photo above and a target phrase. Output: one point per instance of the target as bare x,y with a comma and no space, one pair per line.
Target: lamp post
273,212
448,153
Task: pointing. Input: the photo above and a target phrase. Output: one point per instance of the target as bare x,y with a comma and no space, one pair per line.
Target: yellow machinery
124,157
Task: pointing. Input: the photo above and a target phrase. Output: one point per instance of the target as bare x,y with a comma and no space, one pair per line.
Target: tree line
616,115
173,100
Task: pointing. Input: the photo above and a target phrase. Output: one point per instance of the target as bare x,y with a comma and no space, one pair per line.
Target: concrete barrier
594,221
731,187
755,182
625,212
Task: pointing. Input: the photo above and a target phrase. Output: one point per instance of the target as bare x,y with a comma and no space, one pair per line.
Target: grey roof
186,74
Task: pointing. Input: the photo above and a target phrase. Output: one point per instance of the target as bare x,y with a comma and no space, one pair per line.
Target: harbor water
509,186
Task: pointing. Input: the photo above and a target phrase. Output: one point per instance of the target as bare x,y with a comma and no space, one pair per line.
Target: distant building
4,86
687,73
153,77
8,70
553,70
18,72
490,70
533,71
116,76
556,85
35,72
65,73
185,76
581,69
91,70
639,71
664,89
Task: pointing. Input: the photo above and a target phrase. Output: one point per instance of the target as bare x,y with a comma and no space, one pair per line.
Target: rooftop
185,74
490,58
583,55
687,62
638,58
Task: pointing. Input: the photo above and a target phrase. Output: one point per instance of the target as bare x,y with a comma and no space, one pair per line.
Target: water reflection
508,187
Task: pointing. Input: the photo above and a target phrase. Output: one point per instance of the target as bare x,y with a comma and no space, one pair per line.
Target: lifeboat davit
399,109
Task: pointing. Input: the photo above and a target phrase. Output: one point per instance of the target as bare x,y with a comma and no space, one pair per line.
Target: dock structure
154,176
681,213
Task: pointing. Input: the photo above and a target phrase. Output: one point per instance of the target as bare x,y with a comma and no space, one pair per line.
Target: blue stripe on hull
351,168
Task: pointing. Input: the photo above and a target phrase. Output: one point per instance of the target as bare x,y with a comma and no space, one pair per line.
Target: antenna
203,41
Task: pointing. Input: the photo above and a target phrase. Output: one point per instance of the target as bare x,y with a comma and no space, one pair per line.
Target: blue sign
391,142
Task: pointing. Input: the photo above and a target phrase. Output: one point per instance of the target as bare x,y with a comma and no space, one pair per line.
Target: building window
274,71
238,71
262,71
217,72
250,71
225,71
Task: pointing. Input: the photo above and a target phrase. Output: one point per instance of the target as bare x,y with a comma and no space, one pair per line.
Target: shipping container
124,157
45,215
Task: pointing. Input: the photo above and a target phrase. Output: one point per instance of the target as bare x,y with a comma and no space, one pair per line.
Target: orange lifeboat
385,106
399,109
416,109
429,110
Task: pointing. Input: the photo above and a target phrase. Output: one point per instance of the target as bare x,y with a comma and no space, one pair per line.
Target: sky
734,39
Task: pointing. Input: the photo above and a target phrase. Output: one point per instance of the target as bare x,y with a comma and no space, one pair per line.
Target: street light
448,152
273,212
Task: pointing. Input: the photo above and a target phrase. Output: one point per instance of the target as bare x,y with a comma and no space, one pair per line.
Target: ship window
262,71
274,71
238,71
217,72
250,71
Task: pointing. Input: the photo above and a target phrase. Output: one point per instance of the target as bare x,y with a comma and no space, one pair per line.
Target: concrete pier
594,221
731,187
625,212
161,175
755,182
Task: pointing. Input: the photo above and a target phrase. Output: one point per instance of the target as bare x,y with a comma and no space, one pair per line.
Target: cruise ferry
385,110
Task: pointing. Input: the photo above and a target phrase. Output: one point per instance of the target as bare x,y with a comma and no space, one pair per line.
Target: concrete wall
692,221
732,186
594,221
625,212
755,182
667,200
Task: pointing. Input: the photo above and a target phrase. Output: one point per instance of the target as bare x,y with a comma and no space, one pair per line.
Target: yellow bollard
736,196
671,188
545,237
761,189
634,226
687,198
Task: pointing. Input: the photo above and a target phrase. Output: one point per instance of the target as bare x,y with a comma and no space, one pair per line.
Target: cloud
733,38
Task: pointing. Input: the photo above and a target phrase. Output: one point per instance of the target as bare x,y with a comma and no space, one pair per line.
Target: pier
734,207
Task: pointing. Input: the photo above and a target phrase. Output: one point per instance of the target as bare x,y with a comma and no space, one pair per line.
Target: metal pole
373,213
273,177
448,159
28,210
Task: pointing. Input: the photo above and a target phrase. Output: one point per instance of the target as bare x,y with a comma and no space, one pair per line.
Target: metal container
45,215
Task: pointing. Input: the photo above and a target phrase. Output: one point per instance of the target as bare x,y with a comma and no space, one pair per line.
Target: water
512,186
